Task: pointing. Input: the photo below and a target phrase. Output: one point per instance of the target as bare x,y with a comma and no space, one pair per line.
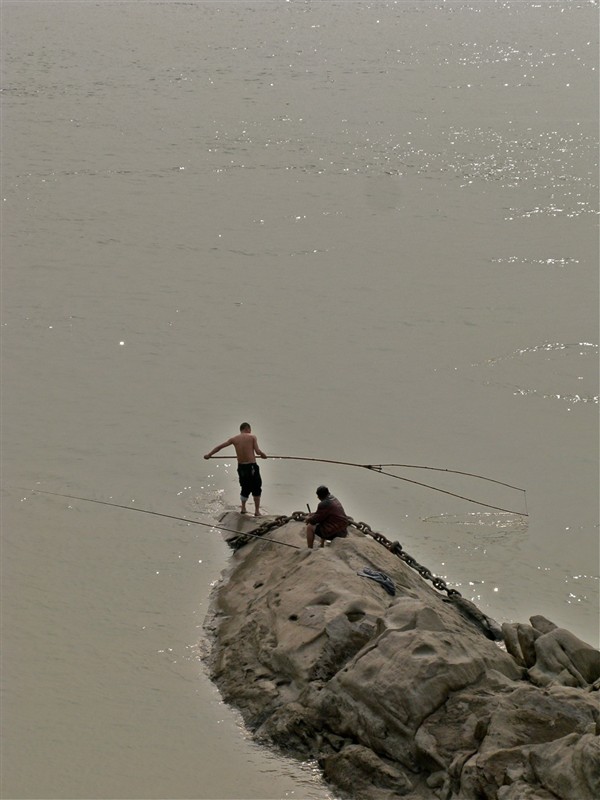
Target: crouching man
329,520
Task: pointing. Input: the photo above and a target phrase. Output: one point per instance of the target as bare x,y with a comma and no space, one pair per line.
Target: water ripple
566,362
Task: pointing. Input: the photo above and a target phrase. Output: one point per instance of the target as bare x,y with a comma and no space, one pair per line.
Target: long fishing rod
379,469
167,516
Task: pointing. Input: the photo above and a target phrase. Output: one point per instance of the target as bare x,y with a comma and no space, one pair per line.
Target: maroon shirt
330,515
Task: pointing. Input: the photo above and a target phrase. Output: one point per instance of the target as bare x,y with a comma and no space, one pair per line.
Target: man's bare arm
217,448
257,449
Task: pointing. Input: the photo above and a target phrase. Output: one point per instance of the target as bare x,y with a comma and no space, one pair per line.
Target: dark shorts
329,536
250,480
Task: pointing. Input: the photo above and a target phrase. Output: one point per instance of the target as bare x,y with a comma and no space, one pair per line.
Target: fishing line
379,469
453,494
167,516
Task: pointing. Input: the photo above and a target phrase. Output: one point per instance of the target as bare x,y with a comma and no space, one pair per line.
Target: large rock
551,654
403,695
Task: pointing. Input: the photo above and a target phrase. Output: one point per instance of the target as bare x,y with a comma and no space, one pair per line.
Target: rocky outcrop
403,695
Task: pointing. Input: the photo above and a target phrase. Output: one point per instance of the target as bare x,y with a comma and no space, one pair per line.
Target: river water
368,228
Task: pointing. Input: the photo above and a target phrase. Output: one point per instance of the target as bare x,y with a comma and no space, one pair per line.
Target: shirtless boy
246,450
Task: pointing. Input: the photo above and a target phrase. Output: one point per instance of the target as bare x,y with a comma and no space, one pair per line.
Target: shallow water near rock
371,230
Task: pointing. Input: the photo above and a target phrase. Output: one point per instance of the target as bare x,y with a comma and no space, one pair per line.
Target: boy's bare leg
257,505
243,501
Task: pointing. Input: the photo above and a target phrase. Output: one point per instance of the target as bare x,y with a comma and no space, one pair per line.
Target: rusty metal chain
243,538
393,547
397,549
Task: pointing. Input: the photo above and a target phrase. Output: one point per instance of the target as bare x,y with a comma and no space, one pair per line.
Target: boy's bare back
246,447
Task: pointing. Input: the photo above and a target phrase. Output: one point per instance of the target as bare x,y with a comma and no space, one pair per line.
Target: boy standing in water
246,450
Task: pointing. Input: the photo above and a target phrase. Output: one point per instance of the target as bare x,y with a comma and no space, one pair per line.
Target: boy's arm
257,449
217,448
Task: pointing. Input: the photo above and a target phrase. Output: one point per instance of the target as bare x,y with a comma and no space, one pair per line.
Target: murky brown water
368,228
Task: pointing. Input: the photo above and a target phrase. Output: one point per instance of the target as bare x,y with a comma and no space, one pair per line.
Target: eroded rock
400,696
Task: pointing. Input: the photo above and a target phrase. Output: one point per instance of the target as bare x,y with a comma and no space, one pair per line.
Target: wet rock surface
405,695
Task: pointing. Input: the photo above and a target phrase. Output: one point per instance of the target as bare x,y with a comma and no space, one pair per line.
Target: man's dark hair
322,492
245,426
